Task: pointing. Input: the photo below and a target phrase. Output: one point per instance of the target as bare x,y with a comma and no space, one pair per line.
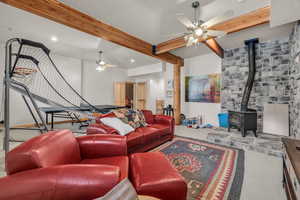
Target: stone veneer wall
295,83
271,81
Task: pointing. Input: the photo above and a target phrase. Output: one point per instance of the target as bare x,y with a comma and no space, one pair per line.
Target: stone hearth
264,143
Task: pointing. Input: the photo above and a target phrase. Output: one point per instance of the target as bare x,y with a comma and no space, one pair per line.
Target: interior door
140,95
120,93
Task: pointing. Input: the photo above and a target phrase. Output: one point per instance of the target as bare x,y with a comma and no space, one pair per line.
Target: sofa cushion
120,161
152,174
100,128
49,149
134,139
64,182
148,116
149,133
162,128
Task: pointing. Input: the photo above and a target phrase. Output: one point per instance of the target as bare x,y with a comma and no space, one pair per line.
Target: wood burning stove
246,118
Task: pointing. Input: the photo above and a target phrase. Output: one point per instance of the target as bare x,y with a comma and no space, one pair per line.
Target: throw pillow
134,118
142,118
122,128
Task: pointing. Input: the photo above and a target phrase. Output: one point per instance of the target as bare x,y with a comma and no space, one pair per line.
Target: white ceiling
286,12
151,20
154,20
71,42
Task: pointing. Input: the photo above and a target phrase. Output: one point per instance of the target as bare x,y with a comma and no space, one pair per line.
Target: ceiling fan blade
218,19
216,33
204,36
185,21
109,65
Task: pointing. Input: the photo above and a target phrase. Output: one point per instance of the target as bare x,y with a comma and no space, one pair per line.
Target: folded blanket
134,118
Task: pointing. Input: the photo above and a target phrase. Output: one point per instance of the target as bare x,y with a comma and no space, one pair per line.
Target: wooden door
129,94
120,93
140,95
159,106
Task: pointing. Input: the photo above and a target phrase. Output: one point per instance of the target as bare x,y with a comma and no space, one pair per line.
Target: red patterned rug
212,172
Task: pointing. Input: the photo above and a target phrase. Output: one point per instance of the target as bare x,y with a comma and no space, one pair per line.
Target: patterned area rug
212,172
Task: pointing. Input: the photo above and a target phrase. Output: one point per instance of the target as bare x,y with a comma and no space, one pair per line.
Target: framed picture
169,93
170,85
204,88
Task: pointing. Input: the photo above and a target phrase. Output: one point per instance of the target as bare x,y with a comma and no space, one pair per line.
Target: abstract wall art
203,88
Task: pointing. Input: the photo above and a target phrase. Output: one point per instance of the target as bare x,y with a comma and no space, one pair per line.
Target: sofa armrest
166,120
96,146
100,129
74,182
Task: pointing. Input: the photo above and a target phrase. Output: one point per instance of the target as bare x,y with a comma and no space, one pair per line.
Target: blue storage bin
223,120
185,122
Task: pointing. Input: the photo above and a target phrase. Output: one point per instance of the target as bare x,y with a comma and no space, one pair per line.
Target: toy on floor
196,122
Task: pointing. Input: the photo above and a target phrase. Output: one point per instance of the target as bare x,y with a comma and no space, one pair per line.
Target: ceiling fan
101,64
197,28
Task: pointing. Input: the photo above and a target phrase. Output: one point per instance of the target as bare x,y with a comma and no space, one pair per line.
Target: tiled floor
263,173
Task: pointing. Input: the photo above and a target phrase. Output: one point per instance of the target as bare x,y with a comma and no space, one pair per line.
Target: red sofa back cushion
49,149
148,116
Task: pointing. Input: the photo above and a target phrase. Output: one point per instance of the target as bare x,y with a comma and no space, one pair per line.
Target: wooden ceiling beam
63,14
214,46
248,20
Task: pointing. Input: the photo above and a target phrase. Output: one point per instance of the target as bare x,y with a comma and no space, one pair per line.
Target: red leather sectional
56,165
160,129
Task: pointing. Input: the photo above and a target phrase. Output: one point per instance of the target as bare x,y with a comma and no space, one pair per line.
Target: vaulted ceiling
155,21
150,20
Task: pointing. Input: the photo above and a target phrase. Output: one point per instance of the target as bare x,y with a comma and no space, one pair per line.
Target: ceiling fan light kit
101,64
100,68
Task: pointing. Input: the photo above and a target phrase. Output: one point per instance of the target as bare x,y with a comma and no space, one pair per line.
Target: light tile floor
263,173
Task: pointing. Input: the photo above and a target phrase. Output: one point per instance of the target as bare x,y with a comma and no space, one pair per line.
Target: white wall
154,77
98,87
155,88
201,65
145,70
69,67
2,66
168,75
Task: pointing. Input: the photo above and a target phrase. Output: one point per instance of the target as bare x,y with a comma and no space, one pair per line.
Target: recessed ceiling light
240,1
54,39
132,60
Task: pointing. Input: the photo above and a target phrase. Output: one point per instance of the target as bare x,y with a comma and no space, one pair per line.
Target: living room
149,100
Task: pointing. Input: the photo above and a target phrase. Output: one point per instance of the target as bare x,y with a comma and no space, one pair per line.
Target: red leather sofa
56,165
160,129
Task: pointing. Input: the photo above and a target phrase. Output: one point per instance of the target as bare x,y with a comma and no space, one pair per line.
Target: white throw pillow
117,124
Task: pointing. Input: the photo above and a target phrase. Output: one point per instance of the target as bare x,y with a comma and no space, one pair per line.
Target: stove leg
243,131
255,134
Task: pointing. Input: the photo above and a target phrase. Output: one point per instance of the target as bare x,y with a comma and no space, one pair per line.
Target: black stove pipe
251,76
